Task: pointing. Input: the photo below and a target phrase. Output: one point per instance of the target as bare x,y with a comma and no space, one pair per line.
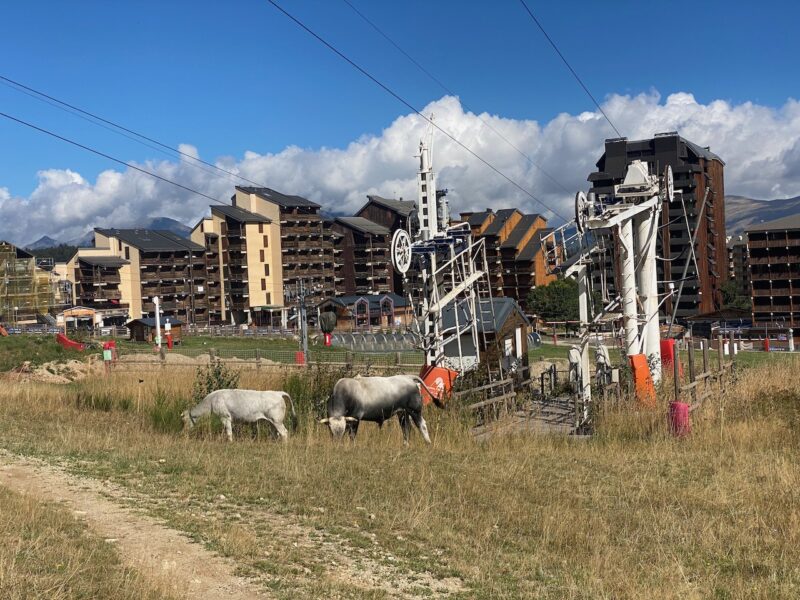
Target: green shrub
212,378
94,400
310,390
165,414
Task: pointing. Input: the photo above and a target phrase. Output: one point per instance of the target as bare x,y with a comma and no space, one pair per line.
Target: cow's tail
436,399
291,407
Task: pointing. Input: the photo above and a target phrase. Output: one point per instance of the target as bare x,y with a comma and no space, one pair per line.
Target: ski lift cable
411,107
449,91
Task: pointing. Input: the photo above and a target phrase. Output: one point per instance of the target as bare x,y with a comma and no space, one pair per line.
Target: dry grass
46,553
632,513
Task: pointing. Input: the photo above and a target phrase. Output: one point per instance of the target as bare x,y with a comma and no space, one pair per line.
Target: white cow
249,406
377,399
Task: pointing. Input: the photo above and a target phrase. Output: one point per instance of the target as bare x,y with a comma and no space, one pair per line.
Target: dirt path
156,551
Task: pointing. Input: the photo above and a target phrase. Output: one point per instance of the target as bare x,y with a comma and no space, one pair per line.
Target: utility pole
302,315
157,303
301,297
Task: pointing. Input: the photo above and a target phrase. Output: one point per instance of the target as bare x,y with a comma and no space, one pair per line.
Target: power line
406,103
119,129
109,157
439,82
571,70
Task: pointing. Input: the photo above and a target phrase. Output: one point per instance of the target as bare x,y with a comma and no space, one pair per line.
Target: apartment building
393,215
738,271
699,173
127,268
363,256
267,242
774,261
242,252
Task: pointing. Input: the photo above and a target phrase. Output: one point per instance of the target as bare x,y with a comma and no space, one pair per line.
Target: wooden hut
144,330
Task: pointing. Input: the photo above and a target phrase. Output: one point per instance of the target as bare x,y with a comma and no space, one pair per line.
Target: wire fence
264,358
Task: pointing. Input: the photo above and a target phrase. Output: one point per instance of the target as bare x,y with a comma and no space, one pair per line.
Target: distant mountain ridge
87,239
741,212
43,242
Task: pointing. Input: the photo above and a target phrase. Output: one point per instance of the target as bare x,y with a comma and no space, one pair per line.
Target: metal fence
265,358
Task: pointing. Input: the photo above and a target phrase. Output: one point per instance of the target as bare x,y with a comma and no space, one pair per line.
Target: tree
60,253
731,296
556,301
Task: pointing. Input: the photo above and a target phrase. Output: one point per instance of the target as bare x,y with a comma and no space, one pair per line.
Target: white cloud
761,146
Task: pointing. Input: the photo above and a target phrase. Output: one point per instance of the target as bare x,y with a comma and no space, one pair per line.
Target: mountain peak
43,242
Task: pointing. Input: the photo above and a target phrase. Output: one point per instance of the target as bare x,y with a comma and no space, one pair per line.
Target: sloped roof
701,151
790,222
518,233
534,245
500,218
239,214
151,321
103,261
281,200
373,299
503,309
401,207
151,240
477,219
364,225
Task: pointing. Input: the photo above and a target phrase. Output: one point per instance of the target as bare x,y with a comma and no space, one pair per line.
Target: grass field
16,349
630,513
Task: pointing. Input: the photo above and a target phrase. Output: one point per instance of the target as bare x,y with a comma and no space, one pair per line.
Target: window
202,226
266,269
119,245
263,284
261,255
260,228
269,298
266,241
127,253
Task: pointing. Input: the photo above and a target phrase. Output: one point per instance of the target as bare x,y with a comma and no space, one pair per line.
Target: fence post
211,355
397,358
691,369
676,374
258,359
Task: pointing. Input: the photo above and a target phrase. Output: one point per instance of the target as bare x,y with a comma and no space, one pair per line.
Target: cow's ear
323,421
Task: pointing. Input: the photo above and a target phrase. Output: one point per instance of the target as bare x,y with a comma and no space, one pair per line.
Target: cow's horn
323,421
350,419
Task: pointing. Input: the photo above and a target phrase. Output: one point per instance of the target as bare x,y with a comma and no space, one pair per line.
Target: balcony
782,243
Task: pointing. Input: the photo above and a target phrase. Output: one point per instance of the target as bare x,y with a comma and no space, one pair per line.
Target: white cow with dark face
376,399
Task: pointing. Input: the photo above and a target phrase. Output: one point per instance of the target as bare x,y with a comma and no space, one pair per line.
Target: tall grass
630,513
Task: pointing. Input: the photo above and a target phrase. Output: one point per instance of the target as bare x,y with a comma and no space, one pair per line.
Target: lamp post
157,303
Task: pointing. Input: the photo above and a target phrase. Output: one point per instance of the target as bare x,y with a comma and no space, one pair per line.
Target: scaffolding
26,291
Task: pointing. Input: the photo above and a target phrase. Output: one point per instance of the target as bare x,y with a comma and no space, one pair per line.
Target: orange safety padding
643,381
3,331
440,381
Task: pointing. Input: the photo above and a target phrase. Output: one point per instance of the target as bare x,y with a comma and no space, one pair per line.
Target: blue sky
238,76
230,77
